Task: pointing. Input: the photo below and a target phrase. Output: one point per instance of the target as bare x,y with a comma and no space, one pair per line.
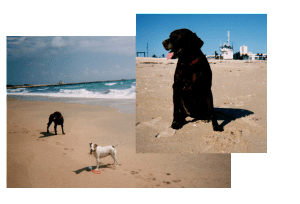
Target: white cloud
118,45
58,42
124,45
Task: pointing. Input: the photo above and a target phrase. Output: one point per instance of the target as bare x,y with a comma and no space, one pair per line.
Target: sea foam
124,93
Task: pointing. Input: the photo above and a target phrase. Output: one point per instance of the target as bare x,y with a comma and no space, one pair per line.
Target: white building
243,50
226,50
252,56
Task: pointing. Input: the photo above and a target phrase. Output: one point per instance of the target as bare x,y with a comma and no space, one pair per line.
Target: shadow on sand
94,167
228,115
45,134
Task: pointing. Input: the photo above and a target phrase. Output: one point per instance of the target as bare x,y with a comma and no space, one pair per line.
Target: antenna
228,38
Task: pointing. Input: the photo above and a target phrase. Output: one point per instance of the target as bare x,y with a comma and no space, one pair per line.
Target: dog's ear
195,41
95,146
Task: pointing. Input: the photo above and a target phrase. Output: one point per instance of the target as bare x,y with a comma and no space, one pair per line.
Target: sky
48,60
245,29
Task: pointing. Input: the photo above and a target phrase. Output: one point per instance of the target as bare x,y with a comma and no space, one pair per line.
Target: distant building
243,50
226,50
244,54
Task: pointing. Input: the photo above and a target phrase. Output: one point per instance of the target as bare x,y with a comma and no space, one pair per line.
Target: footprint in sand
150,123
231,140
168,133
251,120
176,181
134,172
157,124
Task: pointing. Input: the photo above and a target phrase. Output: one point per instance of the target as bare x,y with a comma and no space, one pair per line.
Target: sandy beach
240,100
36,159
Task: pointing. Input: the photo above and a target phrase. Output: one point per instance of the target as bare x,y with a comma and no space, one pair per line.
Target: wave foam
81,93
110,84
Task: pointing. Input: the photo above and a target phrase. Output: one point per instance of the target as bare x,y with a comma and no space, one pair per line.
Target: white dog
100,152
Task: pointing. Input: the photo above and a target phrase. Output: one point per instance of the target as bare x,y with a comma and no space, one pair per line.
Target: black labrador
58,120
192,95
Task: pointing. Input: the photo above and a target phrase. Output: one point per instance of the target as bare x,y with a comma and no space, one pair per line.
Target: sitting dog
58,120
100,152
192,95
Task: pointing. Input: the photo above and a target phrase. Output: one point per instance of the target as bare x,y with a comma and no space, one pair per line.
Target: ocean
117,94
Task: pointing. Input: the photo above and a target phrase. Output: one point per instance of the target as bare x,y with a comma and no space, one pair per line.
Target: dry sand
240,99
38,159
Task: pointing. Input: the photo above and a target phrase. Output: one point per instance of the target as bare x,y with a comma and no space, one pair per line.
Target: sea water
118,94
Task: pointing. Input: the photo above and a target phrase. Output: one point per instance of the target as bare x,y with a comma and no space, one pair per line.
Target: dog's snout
166,44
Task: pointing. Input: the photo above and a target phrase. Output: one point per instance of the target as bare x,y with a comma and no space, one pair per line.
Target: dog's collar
193,62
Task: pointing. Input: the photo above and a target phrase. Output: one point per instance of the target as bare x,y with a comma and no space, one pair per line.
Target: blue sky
47,60
245,29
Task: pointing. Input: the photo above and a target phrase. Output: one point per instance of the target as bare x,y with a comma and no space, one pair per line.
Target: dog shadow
93,168
231,114
46,134
228,115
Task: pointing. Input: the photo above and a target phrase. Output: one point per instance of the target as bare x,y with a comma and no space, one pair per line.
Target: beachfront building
249,55
226,50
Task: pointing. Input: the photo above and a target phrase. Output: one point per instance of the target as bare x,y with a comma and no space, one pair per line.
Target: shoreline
124,105
64,84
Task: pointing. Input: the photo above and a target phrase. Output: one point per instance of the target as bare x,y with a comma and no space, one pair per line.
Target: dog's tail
115,145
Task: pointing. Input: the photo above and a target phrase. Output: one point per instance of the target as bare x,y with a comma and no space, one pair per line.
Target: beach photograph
237,56
97,79
66,94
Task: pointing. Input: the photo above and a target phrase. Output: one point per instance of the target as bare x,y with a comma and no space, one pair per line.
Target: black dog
58,120
192,94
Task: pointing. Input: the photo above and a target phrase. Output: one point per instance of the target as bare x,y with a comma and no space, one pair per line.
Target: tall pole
228,38
147,49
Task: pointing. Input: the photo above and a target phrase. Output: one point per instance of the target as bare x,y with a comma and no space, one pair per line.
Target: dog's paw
218,128
177,124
